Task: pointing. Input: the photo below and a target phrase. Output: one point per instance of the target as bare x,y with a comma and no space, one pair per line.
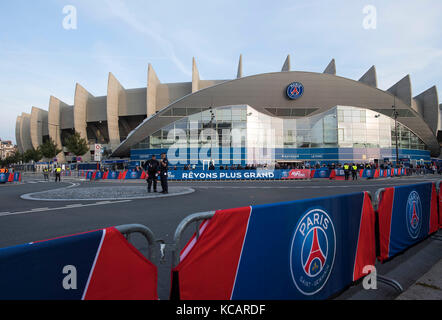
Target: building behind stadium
316,117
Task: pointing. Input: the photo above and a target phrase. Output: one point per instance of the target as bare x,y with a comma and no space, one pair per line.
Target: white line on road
70,206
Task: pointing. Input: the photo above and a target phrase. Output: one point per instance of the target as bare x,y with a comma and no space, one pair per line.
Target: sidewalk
428,287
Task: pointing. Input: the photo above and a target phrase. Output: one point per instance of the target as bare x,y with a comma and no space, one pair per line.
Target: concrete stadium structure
129,119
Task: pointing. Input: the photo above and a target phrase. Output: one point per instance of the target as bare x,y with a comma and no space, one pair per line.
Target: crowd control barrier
320,173
96,265
308,249
406,215
439,204
10,177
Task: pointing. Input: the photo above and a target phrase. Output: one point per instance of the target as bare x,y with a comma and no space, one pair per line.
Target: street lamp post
395,114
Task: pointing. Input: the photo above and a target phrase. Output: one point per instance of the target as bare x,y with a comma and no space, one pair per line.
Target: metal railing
128,229
193,218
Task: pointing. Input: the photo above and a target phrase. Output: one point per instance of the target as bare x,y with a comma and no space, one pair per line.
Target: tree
49,149
32,155
76,144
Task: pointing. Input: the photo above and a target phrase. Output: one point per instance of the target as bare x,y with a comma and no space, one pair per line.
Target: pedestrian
152,167
346,171
164,165
46,174
354,172
58,174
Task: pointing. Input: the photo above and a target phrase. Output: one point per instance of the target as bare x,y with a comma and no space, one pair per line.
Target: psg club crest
295,90
414,214
313,251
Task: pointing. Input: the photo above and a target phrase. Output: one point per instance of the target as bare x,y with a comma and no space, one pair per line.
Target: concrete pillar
370,78
239,74
331,68
428,102
17,134
25,132
195,77
402,90
152,85
39,126
115,95
54,124
286,67
81,100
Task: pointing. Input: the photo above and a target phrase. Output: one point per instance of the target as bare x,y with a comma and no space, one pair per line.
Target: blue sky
39,58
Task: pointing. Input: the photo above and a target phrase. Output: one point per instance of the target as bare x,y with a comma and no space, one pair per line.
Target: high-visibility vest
346,167
2,170
355,168
58,170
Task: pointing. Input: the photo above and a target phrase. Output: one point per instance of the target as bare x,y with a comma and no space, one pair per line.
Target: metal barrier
128,229
196,217
439,209
388,281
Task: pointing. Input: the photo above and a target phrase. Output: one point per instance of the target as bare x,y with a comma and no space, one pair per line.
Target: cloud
119,10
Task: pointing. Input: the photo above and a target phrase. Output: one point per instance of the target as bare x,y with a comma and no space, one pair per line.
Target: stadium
313,117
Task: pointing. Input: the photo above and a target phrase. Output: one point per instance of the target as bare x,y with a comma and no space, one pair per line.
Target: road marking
70,206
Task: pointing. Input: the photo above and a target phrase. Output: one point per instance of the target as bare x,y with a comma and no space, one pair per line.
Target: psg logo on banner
414,214
295,90
313,251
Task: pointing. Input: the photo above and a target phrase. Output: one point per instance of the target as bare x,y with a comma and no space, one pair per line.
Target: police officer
354,171
346,171
152,167
164,165
46,174
58,174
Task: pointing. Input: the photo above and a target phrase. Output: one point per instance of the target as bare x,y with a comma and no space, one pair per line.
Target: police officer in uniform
152,167
354,171
346,171
46,174
164,165
58,174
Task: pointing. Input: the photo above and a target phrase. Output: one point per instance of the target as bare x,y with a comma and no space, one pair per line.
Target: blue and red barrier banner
337,174
96,175
97,265
112,175
320,173
440,208
10,177
407,215
368,173
17,177
309,249
133,175
4,177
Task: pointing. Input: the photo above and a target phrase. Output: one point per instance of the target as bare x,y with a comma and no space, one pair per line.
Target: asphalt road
23,221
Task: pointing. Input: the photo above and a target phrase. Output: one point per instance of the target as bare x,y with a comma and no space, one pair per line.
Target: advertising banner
295,174
407,215
96,265
320,173
309,249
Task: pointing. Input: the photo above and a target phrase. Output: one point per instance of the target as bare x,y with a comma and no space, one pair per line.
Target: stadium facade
317,117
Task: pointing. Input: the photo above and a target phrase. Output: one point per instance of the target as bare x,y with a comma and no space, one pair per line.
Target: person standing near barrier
346,171
354,172
152,167
164,165
58,174
46,174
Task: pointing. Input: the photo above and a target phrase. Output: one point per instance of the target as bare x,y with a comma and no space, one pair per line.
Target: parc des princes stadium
316,117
